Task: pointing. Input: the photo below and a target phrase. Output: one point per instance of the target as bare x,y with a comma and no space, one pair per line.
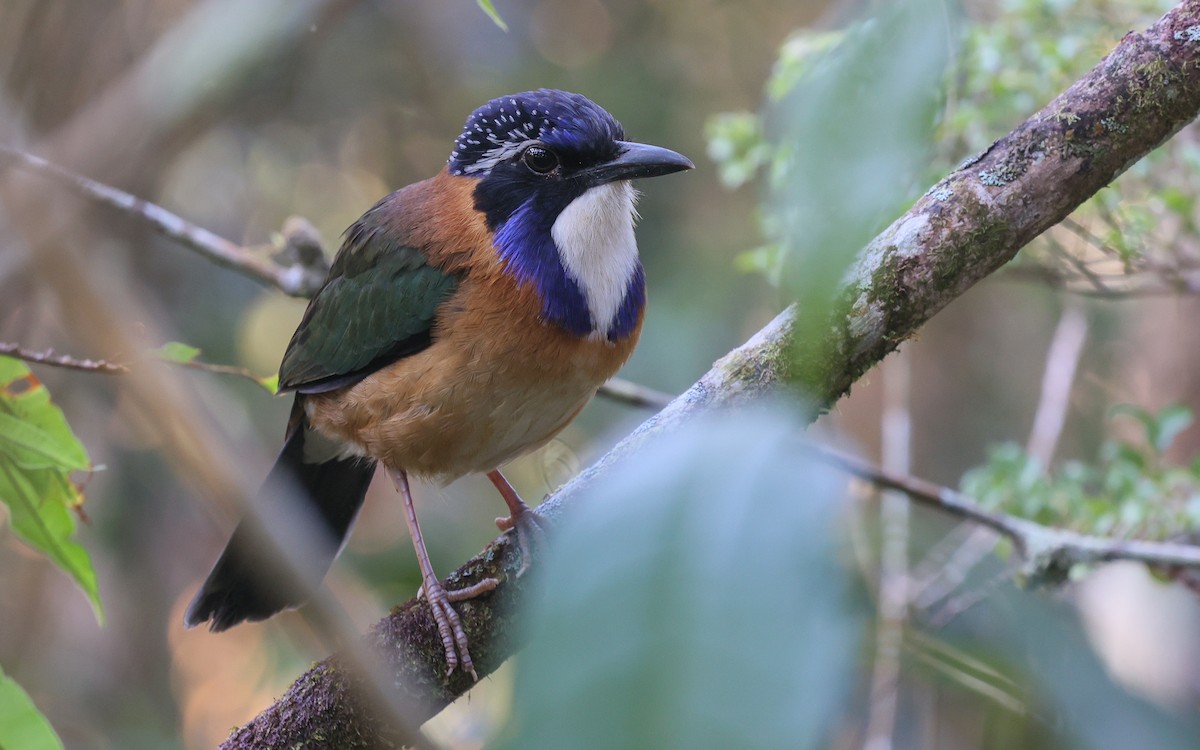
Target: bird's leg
524,519
454,638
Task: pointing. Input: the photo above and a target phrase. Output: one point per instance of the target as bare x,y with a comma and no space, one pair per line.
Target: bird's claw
450,629
531,533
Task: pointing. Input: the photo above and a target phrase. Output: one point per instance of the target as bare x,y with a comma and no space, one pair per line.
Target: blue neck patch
529,254
631,307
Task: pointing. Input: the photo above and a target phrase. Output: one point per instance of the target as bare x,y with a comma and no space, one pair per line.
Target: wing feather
378,305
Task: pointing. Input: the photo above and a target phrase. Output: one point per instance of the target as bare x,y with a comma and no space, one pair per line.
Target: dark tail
328,493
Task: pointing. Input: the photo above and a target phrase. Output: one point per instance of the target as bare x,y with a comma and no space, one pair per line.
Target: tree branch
1049,553
48,357
296,270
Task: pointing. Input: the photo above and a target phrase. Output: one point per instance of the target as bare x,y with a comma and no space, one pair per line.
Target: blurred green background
236,114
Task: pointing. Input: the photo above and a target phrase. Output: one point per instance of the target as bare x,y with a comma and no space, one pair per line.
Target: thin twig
48,357
896,439
1062,359
1047,550
299,278
634,394
231,370
107,367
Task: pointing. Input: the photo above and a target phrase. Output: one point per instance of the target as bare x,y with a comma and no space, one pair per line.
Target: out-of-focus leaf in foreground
490,9
695,601
1042,647
38,452
846,140
22,726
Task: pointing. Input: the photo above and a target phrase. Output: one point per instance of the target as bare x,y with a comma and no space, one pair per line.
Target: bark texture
965,227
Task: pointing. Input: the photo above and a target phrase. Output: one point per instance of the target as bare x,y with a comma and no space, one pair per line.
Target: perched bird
466,320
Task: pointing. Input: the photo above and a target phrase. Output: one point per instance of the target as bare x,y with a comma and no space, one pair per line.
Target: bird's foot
467,592
531,533
450,628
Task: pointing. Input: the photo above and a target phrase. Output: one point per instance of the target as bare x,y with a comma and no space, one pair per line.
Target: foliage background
369,99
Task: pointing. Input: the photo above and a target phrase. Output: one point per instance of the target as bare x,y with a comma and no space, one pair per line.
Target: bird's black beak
635,161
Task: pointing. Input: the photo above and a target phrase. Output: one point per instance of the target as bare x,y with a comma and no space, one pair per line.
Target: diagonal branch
299,272
48,357
968,225
1049,553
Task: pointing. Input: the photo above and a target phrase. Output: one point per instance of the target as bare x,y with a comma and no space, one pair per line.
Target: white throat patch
594,235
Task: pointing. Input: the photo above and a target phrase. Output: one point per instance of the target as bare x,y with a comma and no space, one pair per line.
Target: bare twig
1048,552
48,357
231,370
108,367
893,556
1062,360
634,394
947,567
301,277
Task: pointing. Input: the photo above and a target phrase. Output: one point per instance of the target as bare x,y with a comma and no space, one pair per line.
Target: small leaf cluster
38,455
1129,490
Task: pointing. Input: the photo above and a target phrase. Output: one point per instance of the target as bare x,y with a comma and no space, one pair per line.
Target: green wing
377,306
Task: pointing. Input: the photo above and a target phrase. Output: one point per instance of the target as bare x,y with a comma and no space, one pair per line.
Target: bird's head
552,173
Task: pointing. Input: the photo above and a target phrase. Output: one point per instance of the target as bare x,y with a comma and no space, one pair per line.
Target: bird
465,321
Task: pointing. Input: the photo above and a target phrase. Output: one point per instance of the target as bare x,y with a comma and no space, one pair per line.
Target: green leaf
487,7
33,448
270,382
38,452
45,432
22,726
1171,421
174,351
719,617
880,84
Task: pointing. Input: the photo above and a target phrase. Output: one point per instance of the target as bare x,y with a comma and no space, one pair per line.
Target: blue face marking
529,254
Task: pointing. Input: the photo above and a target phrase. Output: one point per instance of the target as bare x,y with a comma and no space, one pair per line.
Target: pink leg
454,638
521,517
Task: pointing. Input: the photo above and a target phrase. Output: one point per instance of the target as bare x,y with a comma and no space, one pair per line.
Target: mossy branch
975,220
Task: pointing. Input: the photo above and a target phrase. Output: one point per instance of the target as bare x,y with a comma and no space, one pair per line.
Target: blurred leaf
736,144
1171,421
38,452
849,130
33,428
487,7
1040,645
22,726
1127,490
851,138
174,351
32,448
798,56
695,600
270,382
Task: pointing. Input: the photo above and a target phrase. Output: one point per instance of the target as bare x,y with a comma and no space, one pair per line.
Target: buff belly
469,403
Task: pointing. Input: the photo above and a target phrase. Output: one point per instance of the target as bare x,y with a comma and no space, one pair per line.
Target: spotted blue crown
560,119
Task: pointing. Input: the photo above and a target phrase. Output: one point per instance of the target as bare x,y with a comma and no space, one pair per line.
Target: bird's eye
540,160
